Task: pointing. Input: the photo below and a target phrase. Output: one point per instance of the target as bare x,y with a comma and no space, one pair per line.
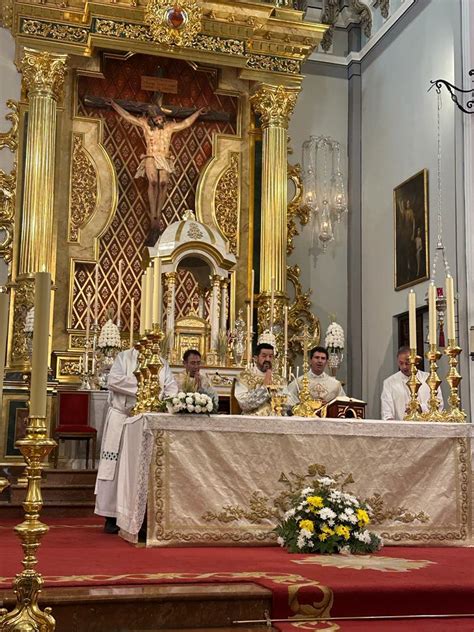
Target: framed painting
410,202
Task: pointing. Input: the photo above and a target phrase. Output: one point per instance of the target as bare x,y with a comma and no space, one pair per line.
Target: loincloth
161,164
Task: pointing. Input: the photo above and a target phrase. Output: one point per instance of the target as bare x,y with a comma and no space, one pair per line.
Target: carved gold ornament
295,208
227,203
24,300
83,188
8,187
299,311
274,104
174,23
43,73
53,31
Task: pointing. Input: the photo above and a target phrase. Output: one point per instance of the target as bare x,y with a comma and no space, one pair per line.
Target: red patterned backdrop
192,148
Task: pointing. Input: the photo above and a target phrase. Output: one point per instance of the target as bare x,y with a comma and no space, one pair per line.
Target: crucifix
157,163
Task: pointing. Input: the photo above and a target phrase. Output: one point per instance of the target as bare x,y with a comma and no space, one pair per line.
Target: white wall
399,139
322,110
9,89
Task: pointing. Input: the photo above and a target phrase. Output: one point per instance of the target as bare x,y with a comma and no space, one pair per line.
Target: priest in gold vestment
321,385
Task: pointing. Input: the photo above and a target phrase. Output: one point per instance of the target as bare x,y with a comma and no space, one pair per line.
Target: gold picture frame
411,231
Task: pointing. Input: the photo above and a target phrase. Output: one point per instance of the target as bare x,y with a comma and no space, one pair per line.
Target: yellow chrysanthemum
326,529
307,524
344,531
362,517
323,536
315,501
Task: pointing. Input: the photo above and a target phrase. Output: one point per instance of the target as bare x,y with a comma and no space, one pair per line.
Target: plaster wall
398,139
322,109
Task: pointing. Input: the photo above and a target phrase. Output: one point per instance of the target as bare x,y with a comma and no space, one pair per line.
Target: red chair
72,422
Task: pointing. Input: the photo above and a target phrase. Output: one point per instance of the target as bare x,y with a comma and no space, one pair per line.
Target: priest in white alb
122,385
321,385
396,393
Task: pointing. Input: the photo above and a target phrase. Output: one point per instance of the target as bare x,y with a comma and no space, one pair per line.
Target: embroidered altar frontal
227,480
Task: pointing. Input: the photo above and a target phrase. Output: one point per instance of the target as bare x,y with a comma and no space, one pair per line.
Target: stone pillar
216,282
224,303
274,104
170,280
42,82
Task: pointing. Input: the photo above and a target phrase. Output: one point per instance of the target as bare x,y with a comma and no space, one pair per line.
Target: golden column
274,104
42,83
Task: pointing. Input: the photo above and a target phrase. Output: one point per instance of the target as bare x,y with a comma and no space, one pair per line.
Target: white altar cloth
223,480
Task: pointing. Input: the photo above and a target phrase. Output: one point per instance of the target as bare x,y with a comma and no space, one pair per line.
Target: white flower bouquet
109,338
197,403
323,519
334,337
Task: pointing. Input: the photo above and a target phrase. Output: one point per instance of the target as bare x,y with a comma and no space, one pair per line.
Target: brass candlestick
26,615
433,413
413,412
454,414
154,365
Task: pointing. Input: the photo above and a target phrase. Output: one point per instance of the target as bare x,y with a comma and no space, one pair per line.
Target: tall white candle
432,330
149,299
272,303
156,290
119,300
3,338
450,307
88,314
143,305
39,359
250,321
285,342
96,295
412,318
132,320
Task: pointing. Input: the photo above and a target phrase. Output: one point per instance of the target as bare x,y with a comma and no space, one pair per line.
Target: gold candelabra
307,406
433,413
413,412
454,413
26,615
148,371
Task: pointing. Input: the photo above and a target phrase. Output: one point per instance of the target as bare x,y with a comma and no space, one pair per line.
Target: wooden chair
72,422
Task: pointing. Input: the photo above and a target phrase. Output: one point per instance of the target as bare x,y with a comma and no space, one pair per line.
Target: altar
225,480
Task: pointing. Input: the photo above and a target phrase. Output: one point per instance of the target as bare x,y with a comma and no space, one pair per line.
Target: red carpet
398,580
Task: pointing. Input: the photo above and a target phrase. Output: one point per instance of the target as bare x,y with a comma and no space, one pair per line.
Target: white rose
281,541
175,400
189,400
210,407
181,395
190,408
198,408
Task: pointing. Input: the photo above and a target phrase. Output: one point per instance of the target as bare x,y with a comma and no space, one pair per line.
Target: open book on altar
346,408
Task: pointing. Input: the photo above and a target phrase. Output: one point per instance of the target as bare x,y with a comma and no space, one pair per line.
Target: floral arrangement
109,338
326,520
334,337
191,403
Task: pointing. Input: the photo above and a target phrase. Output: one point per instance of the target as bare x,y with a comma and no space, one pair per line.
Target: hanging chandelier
324,190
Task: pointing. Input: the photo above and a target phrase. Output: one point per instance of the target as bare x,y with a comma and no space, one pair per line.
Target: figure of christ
156,164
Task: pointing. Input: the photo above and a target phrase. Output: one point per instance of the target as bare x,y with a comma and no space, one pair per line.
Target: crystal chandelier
324,191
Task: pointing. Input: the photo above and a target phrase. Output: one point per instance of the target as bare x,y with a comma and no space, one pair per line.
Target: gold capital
43,73
274,104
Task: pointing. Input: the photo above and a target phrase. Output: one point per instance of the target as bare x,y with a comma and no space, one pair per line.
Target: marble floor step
163,608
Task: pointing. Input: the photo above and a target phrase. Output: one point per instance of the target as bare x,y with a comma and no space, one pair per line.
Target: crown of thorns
157,110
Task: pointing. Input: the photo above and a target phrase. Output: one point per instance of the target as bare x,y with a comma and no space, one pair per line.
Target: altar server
321,385
122,386
396,393
251,389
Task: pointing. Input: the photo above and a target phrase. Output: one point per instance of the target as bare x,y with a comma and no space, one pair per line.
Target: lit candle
88,314
132,320
3,338
119,300
432,314
39,359
285,342
272,302
149,299
156,290
412,318
450,307
96,297
143,305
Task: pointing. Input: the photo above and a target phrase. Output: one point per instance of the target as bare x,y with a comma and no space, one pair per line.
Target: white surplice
323,387
122,398
396,395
